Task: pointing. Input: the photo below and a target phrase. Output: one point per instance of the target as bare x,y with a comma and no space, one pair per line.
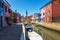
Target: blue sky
33,6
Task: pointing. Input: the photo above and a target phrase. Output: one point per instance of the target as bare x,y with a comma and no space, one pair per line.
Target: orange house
52,11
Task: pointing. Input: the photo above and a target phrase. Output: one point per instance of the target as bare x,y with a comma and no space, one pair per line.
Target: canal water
27,27
26,31
46,33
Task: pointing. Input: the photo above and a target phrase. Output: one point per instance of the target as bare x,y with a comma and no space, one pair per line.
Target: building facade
43,13
39,17
1,13
30,18
22,19
11,16
17,17
56,10
6,13
35,17
50,11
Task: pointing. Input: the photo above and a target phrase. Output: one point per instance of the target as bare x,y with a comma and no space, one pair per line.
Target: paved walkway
12,32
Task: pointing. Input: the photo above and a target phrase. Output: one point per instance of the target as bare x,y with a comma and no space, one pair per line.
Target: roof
7,3
46,4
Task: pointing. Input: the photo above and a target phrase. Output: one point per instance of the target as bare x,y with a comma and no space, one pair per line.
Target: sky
32,6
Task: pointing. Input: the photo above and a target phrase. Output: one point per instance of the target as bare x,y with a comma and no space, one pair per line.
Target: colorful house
22,19
39,19
42,12
17,17
1,13
30,18
51,11
11,16
34,17
6,13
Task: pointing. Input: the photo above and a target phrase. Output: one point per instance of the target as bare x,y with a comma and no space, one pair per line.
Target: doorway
0,22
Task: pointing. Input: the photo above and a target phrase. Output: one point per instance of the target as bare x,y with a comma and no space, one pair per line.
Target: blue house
18,18
1,13
1,7
39,17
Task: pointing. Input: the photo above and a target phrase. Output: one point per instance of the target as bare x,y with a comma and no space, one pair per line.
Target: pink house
6,12
51,11
43,13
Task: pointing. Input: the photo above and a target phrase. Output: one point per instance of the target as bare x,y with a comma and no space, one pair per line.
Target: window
49,11
43,13
5,8
9,10
1,4
59,1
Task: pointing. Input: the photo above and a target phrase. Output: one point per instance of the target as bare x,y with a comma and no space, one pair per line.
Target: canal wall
46,33
55,26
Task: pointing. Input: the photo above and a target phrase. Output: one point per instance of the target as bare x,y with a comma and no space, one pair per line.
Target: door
0,22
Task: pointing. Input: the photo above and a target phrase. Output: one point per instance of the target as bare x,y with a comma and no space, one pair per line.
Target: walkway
12,32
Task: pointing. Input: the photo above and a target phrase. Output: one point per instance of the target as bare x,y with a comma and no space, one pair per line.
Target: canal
46,33
26,33
31,34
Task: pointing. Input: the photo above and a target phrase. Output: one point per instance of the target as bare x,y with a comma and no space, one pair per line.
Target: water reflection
27,27
47,34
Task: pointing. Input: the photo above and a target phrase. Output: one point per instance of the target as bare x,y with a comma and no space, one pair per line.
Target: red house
56,9
51,11
15,17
